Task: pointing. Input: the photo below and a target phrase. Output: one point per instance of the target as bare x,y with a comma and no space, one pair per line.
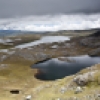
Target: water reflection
45,39
57,69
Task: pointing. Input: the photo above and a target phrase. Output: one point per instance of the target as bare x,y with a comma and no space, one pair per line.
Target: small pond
56,68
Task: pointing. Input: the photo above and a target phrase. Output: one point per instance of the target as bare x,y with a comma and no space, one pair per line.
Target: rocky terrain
17,81
92,41
81,86
7,42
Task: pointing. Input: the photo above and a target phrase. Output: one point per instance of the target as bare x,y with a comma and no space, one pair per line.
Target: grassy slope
52,92
22,39
19,75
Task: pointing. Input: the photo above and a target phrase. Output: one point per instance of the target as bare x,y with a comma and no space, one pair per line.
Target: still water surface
45,39
57,69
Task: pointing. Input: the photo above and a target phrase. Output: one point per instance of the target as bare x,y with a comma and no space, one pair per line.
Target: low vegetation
20,39
17,75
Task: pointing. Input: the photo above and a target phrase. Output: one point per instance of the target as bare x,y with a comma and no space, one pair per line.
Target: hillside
17,81
85,85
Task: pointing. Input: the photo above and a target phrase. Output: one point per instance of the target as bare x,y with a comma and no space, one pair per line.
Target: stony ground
85,85
16,74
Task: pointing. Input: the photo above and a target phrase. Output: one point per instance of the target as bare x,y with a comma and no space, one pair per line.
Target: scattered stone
41,56
59,99
68,45
98,97
63,90
29,97
78,90
3,66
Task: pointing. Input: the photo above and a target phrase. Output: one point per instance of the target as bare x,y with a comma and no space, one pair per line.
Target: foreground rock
84,79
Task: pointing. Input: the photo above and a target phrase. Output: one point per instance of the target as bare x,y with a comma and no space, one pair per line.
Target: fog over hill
52,23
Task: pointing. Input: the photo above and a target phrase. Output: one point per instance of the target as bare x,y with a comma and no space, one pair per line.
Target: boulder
78,90
84,79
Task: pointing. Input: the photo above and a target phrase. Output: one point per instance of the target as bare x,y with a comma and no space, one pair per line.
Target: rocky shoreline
15,71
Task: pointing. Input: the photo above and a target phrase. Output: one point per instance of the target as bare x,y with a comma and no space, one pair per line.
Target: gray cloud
12,8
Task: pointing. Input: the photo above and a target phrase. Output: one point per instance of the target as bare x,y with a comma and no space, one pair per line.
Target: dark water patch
14,91
47,59
56,69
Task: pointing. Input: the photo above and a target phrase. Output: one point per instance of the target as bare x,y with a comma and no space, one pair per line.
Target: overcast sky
13,8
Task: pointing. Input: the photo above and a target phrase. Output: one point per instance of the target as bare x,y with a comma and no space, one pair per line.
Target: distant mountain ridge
16,32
